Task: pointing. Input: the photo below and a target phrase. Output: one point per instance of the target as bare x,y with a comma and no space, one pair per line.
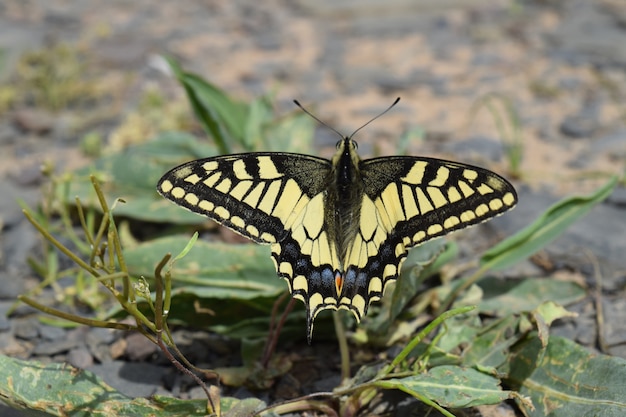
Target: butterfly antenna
318,120
376,117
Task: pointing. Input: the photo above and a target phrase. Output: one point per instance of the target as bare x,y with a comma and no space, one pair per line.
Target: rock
80,358
139,348
588,35
614,325
52,332
582,124
134,379
55,347
34,120
98,341
26,328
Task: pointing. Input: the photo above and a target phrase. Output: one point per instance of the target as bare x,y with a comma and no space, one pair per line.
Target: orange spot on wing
338,282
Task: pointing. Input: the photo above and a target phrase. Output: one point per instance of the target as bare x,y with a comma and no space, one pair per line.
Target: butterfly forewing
257,195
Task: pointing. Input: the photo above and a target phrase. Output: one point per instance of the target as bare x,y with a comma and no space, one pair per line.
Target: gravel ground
560,64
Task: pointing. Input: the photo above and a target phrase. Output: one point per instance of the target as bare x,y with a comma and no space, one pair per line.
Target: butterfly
339,229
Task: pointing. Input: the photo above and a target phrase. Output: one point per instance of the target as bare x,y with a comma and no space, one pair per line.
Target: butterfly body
338,229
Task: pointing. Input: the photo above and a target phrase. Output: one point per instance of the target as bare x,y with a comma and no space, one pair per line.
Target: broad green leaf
228,288
226,270
132,175
529,294
551,311
60,390
543,230
451,386
427,353
569,380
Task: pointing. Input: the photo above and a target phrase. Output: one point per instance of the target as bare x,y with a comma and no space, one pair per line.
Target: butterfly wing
407,201
271,198
254,194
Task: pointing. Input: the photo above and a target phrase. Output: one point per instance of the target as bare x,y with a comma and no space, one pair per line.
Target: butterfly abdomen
344,195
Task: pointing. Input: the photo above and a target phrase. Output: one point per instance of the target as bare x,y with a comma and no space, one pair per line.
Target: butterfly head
346,154
346,146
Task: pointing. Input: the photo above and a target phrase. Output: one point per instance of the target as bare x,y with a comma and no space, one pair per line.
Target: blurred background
534,90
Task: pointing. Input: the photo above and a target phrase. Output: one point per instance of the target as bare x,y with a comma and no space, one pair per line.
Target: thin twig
597,299
344,352
272,339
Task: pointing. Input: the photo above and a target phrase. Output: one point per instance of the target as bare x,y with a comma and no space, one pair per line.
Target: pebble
139,348
133,379
55,347
614,323
80,357
26,328
52,332
98,347
34,120
579,126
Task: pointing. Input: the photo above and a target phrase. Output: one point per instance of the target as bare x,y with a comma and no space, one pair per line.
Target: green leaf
421,263
61,390
459,330
491,346
293,134
569,381
451,386
132,176
227,288
529,294
223,270
543,230
260,113
223,119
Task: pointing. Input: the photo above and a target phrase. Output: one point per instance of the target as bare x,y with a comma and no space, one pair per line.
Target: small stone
133,379
5,322
584,123
139,347
118,348
26,329
615,327
98,341
34,120
618,198
579,126
80,358
54,347
52,332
